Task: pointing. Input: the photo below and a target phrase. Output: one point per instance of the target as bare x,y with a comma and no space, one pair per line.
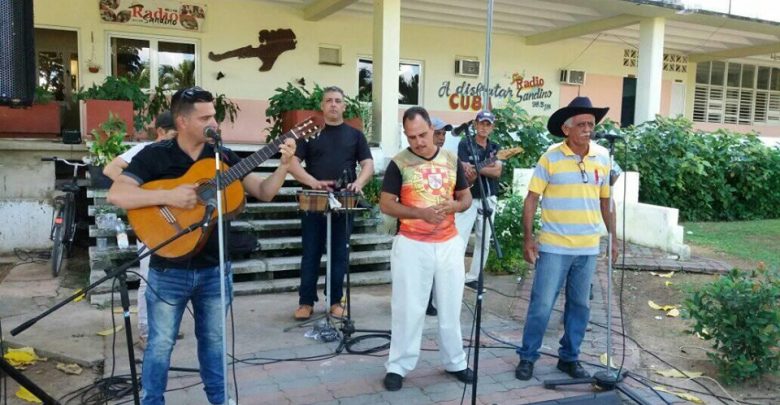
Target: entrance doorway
57,64
629,102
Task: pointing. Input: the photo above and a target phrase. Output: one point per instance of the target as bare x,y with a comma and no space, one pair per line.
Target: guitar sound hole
206,193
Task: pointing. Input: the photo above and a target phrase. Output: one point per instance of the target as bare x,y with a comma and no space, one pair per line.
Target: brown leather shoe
303,312
338,311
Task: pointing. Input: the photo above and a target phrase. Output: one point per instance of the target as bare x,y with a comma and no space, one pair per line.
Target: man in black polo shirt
174,283
331,156
484,149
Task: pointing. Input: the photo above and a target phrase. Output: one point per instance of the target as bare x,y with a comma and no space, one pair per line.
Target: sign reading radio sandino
154,13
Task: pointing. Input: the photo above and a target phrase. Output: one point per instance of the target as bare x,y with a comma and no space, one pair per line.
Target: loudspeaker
600,398
17,53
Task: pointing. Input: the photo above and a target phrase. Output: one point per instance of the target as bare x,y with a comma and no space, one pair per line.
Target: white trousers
414,266
465,221
143,328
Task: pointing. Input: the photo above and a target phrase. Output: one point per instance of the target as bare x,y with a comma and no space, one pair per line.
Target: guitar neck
487,162
246,165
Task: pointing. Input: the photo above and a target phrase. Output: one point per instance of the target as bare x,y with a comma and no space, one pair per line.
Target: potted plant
294,103
106,145
41,120
116,95
158,102
225,108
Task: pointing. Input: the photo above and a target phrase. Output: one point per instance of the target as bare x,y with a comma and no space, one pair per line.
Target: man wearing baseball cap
470,153
573,179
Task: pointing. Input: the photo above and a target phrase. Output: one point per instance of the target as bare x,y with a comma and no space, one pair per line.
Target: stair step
284,191
250,208
263,286
267,244
247,266
294,242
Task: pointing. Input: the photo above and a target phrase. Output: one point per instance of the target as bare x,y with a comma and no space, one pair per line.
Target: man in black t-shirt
175,283
331,156
481,146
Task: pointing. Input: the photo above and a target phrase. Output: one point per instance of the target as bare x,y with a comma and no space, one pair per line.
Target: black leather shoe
393,382
525,370
573,369
464,376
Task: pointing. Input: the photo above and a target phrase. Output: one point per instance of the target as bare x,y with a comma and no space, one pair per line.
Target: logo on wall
154,13
467,96
272,44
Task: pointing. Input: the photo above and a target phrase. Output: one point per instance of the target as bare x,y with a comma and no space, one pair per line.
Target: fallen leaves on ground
603,360
679,373
28,396
23,356
671,310
109,332
683,395
72,368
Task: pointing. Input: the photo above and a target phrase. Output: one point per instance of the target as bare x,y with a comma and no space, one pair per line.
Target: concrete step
247,266
263,286
267,244
250,208
252,225
284,191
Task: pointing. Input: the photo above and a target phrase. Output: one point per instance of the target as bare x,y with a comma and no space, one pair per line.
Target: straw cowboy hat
580,105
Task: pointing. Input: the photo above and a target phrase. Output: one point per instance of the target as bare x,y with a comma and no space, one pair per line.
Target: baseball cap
486,116
439,125
164,121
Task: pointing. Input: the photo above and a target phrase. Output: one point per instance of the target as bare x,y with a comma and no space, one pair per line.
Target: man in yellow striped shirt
573,179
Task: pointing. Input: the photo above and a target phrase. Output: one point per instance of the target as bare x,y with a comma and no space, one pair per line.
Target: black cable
3,377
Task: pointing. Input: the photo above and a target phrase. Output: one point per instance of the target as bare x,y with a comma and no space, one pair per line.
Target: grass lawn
751,241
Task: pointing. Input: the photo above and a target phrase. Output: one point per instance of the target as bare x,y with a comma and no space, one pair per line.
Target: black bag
242,244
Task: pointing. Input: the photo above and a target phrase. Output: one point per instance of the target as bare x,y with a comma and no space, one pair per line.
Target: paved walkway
279,366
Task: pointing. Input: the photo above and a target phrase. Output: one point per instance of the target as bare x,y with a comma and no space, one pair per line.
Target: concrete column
387,40
651,54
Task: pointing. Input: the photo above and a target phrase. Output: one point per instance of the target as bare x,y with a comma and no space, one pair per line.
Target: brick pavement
357,379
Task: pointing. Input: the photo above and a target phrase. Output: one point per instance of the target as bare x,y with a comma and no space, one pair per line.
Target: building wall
235,23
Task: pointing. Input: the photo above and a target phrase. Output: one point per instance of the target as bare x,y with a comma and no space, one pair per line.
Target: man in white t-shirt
165,129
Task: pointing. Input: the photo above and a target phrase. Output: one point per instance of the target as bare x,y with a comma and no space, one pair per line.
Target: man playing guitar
175,282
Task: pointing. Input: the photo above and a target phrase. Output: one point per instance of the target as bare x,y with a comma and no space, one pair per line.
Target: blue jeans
314,227
176,288
551,271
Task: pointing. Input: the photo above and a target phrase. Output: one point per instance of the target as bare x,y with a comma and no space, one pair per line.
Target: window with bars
672,62
736,93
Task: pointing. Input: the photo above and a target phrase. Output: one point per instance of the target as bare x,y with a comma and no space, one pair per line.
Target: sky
762,9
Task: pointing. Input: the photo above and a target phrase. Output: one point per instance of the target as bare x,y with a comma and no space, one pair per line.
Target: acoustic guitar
154,225
503,154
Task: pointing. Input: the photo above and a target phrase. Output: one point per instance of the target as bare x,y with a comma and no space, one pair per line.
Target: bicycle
63,224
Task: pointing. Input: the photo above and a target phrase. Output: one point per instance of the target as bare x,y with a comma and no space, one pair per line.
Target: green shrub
515,127
509,233
707,176
740,312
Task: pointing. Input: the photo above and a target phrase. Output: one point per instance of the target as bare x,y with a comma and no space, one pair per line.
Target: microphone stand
222,259
486,221
609,379
348,325
120,273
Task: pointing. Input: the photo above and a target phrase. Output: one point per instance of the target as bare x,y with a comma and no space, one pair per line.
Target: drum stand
348,326
332,205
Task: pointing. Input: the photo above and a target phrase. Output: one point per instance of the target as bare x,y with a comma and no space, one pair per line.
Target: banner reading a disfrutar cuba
154,13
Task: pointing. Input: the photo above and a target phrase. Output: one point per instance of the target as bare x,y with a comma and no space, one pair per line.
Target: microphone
211,206
458,131
604,135
212,133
